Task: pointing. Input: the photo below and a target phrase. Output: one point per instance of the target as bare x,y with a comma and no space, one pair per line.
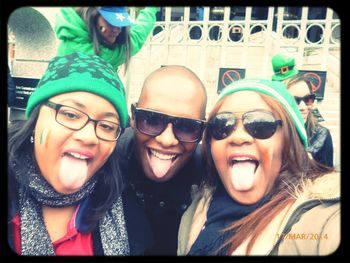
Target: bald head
177,85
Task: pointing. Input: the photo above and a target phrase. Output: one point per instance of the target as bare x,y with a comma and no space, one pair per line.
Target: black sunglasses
307,99
153,123
258,123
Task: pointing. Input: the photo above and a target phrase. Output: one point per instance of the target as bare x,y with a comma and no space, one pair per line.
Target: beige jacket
316,233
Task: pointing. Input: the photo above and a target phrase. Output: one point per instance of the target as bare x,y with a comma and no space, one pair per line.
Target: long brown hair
90,16
311,121
296,166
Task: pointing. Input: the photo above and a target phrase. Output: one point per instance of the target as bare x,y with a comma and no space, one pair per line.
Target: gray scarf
35,239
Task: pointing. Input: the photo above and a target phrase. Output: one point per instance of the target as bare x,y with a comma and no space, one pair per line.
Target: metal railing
300,35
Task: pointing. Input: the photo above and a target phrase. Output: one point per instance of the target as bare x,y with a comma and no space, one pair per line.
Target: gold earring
32,138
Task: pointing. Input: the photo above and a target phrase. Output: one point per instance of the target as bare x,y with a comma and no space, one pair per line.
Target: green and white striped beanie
276,90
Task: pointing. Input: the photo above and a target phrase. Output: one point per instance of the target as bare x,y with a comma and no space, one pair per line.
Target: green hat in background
276,90
81,72
283,67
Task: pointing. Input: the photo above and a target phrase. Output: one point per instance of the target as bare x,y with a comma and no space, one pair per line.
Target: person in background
319,137
64,184
284,69
261,194
107,31
160,156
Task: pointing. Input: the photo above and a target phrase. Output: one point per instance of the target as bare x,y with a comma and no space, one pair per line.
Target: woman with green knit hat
261,193
64,183
107,31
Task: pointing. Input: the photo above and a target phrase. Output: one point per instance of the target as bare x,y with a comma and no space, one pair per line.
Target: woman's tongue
243,175
73,172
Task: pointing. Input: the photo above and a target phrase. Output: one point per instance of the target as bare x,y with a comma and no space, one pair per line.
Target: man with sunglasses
160,155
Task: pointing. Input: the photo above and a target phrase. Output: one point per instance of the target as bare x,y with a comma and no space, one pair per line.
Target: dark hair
311,121
109,183
90,16
296,166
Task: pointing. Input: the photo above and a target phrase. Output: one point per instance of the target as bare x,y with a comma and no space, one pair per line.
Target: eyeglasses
308,99
259,124
75,119
153,123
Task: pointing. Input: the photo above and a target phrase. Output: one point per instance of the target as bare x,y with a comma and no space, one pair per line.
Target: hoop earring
32,138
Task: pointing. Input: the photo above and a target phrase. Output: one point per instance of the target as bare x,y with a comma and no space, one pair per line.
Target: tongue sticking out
242,175
73,172
159,166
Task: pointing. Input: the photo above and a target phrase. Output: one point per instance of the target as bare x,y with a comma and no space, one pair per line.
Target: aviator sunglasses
307,99
153,123
258,123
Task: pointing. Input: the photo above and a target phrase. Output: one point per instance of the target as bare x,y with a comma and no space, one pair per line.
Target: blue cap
116,15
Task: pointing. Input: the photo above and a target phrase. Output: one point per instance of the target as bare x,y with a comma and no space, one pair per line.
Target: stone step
334,128
331,93
333,113
334,125
331,118
329,110
333,99
329,101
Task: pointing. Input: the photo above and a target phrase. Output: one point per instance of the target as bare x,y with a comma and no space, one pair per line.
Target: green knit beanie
276,90
81,72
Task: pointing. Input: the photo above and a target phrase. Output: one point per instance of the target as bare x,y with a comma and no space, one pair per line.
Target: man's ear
132,122
132,119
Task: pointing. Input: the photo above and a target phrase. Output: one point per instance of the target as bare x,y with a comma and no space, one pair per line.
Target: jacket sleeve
328,150
72,32
142,28
316,233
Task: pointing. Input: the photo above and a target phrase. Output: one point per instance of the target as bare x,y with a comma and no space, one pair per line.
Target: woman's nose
302,105
87,134
115,29
240,135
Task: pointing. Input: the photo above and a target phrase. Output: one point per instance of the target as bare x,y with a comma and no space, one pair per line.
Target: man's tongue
243,175
73,172
159,166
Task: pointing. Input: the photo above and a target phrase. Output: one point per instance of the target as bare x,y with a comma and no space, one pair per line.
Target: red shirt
73,243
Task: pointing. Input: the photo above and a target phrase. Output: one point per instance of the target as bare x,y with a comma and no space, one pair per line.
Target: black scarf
223,211
35,239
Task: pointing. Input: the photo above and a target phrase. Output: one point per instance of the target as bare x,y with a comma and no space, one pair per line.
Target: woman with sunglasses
64,183
107,31
261,194
320,139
